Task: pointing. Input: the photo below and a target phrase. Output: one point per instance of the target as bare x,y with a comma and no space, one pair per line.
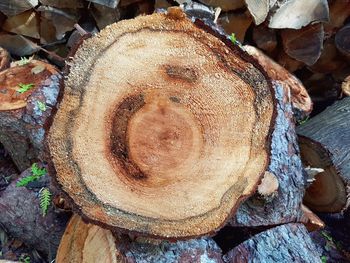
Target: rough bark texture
5,59
286,165
286,243
22,119
21,217
325,144
150,142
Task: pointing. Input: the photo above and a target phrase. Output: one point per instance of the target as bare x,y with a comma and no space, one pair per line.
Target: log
104,15
5,59
26,24
286,243
108,3
15,7
311,221
22,218
225,5
287,62
296,14
83,242
339,11
18,45
258,9
301,101
28,94
323,143
237,23
152,138
342,40
285,164
305,44
265,38
63,3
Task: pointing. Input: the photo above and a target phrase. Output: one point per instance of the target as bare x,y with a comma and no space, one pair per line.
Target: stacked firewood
157,132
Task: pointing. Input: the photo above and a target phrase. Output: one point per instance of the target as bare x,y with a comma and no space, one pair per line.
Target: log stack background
310,39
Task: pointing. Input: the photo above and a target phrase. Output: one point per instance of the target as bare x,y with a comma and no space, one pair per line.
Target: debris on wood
269,185
305,44
26,24
296,14
323,144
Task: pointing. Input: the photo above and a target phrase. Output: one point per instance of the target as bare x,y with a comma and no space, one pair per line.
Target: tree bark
177,153
286,165
22,218
286,243
324,143
23,114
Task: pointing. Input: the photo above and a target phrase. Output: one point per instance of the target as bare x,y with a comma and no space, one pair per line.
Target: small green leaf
41,106
24,61
233,38
45,200
25,87
38,171
324,259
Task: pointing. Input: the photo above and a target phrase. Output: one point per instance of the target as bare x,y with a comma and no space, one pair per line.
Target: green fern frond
24,87
26,180
45,200
36,174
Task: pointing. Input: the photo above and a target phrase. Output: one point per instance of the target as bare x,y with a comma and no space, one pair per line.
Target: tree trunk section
286,243
177,151
324,142
23,113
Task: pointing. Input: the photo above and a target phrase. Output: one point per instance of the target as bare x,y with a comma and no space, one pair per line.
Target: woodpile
157,137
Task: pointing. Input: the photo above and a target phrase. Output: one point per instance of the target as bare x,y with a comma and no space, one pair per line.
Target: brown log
286,243
63,3
265,38
22,218
225,5
301,100
258,9
330,60
15,7
18,45
311,221
237,23
5,59
339,11
287,62
305,44
104,15
22,121
164,134
87,243
26,24
324,144
342,40
297,14
285,165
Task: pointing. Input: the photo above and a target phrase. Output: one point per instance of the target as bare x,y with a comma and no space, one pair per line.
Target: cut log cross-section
163,128
324,143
